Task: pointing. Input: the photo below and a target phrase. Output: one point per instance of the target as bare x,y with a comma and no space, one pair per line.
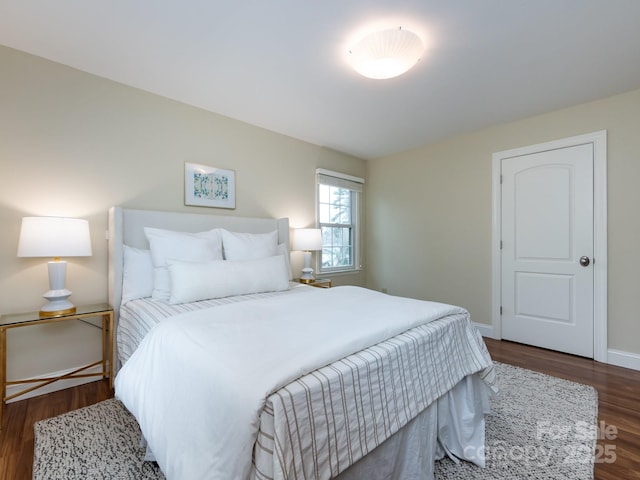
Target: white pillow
284,251
193,247
137,274
249,246
191,282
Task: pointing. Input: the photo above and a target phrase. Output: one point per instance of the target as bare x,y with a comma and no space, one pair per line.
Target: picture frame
206,186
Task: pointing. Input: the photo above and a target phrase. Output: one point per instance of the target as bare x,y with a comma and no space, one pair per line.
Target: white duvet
198,382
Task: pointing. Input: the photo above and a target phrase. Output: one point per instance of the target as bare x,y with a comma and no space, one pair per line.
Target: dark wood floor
618,391
16,438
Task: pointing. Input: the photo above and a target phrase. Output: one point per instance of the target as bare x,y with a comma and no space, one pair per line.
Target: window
338,218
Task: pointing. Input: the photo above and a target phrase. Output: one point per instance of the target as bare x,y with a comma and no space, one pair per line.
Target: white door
547,249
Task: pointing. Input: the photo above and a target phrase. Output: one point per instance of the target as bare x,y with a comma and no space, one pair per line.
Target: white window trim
343,176
357,260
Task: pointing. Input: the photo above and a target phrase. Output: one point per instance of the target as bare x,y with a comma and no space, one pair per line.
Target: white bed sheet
330,418
437,431
193,460
139,316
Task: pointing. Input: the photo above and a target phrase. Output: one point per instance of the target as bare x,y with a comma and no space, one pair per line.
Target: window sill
339,273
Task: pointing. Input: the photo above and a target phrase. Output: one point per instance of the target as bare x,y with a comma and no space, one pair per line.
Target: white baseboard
623,359
55,386
484,329
614,357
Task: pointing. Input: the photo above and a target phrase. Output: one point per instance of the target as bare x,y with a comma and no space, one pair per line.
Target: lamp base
307,275
307,271
57,304
57,295
57,313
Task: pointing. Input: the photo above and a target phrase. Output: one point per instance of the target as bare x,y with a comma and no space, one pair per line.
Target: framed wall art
206,186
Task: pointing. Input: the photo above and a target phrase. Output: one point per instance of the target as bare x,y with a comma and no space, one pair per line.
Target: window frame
355,185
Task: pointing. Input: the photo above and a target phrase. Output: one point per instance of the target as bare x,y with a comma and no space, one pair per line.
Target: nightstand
33,318
319,283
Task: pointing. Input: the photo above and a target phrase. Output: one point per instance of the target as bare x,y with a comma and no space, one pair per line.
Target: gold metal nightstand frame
318,282
33,318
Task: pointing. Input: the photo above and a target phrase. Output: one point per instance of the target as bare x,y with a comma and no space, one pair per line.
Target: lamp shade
307,239
54,237
386,53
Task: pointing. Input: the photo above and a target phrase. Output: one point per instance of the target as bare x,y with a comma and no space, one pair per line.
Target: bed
258,377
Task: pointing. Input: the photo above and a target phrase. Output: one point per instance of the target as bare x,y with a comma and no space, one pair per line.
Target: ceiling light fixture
386,53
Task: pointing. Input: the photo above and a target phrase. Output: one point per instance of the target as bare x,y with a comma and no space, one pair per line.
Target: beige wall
74,144
429,212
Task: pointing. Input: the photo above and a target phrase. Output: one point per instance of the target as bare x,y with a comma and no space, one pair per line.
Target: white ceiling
281,64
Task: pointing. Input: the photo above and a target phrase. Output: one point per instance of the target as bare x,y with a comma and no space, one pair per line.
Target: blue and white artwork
206,186
212,186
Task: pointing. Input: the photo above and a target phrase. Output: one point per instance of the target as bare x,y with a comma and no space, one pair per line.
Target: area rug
540,427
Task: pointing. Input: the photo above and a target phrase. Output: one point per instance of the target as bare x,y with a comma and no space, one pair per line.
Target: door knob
584,261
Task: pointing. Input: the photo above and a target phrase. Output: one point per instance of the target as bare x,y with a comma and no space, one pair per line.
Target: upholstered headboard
126,227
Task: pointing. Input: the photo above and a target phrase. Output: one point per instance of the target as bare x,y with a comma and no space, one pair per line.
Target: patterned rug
540,427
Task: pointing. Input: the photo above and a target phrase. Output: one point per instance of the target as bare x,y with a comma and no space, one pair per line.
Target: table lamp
55,237
307,240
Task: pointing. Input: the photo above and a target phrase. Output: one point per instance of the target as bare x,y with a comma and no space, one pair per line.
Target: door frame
599,141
